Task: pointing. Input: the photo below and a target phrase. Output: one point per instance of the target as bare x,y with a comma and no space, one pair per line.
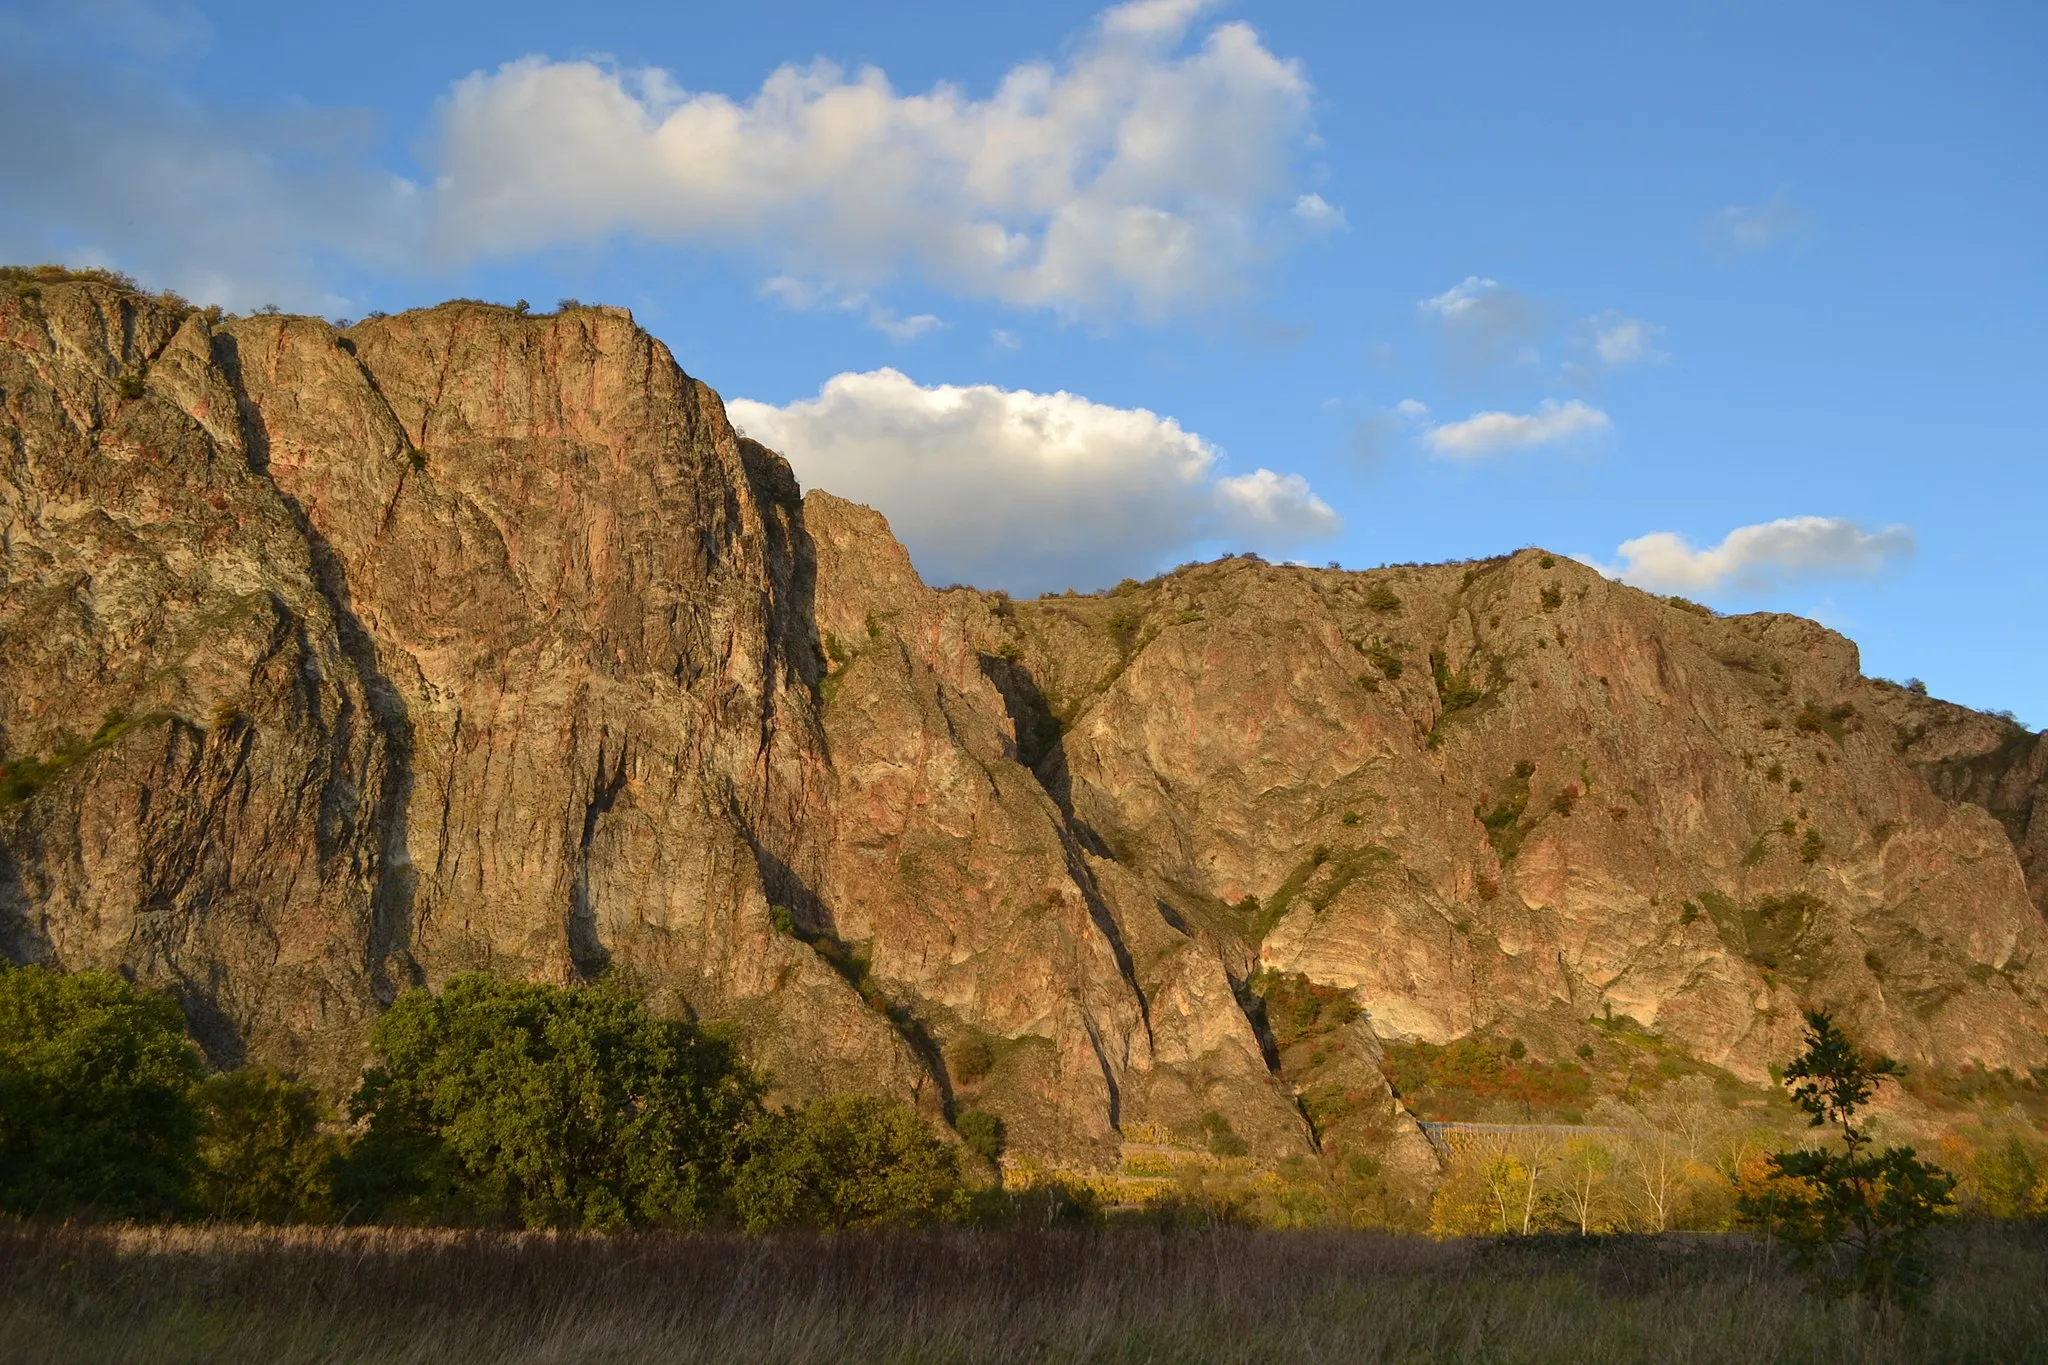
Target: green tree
96,1110
553,1107
1854,1217
2008,1181
850,1161
980,1132
263,1156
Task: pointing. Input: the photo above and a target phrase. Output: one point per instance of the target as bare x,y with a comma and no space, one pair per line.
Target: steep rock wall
332,663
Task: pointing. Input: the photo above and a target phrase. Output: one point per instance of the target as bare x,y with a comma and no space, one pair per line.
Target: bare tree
1691,1113
1651,1164
1582,1178
1538,1151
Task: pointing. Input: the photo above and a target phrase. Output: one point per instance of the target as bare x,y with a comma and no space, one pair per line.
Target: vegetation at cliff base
96,1084
491,1104
848,1161
503,1101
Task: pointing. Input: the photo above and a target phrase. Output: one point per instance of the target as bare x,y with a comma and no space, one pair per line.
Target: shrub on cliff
849,1161
498,1101
96,1112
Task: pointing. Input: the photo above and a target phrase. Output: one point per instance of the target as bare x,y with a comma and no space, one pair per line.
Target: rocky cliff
334,662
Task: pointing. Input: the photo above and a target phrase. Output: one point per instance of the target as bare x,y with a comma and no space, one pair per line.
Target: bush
96,1112
1220,1137
2007,1181
263,1157
499,1101
1832,722
971,1059
851,1161
980,1132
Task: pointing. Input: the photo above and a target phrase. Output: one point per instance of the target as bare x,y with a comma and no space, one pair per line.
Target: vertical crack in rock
393,879
586,950
1105,924
812,923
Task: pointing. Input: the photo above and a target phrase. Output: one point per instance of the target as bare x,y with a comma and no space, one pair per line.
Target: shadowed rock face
332,663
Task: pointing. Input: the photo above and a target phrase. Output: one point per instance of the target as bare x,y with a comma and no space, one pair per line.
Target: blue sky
1743,301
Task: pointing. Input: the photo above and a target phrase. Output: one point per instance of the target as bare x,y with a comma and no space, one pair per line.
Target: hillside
337,662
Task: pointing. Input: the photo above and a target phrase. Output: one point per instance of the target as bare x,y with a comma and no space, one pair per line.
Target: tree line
1678,1158
513,1104
491,1103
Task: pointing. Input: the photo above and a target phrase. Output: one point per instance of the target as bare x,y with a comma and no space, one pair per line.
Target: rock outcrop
336,662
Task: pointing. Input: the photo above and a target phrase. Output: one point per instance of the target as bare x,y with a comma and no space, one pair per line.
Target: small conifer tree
1854,1216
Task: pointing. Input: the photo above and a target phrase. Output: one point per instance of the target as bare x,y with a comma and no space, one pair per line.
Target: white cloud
1319,213
1756,557
1005,341
1485,323
1138,176
794,293
1618,339
1028,491
1149,173
1461,299
1752,228
1412,409
902,329
1266,506
1490,433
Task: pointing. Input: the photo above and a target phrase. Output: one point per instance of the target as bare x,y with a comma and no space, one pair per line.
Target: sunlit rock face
336,662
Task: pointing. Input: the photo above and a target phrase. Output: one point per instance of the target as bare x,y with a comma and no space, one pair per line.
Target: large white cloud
1755,557
1491,433
1028,491
1138,176
1147,174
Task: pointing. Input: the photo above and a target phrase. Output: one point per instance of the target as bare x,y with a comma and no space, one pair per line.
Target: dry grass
111,1296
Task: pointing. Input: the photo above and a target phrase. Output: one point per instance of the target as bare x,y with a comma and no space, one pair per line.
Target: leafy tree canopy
850,1161
96,1112
551,1107
264,1157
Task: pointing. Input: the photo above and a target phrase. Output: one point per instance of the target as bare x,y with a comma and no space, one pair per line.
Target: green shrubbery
500,1101
21,778
95,1097
267,1149
850,1161
1473,1074
494,1103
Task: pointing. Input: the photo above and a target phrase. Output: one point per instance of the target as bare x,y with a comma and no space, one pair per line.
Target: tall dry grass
114,1296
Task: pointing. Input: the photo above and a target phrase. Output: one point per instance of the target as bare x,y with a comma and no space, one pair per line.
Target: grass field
114,1296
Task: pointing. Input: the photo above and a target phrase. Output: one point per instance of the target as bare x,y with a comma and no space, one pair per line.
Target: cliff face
1514,790
333,663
